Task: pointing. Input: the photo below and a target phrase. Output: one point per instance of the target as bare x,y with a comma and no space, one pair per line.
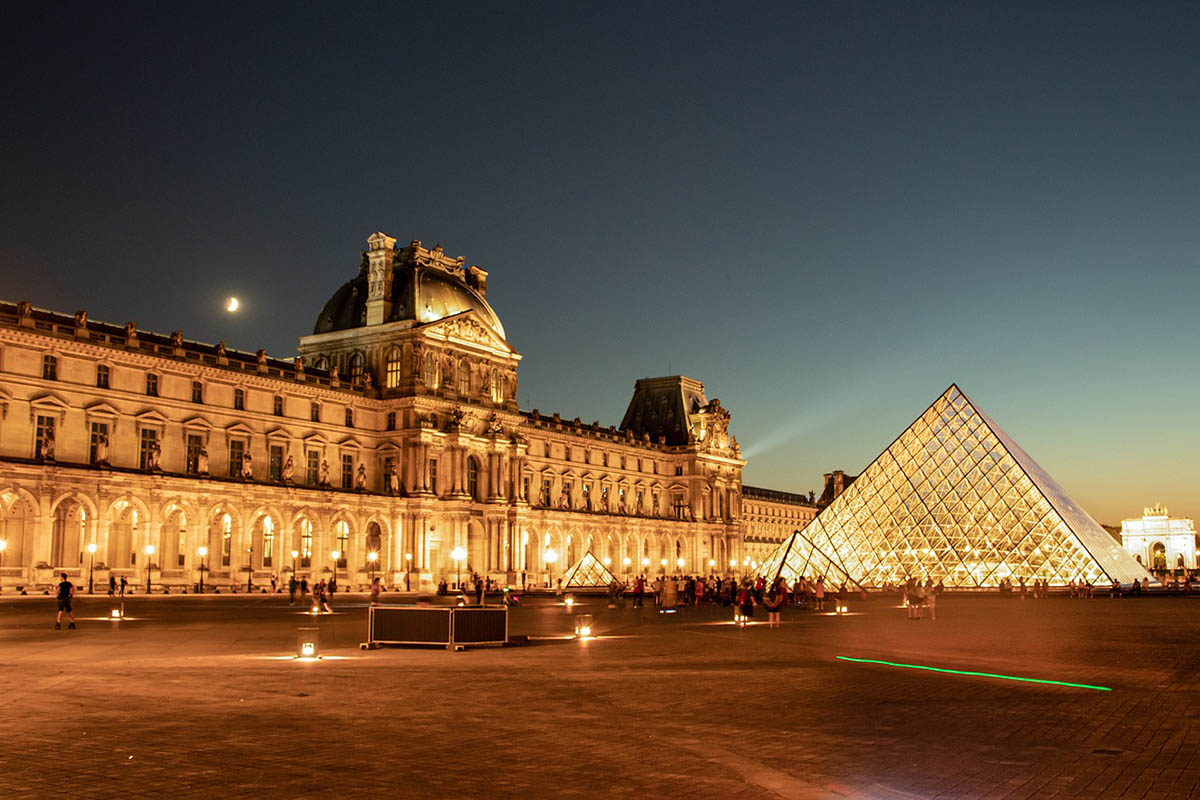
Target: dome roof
419,293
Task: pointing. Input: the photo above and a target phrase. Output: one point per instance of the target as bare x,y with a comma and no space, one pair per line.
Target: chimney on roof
380,257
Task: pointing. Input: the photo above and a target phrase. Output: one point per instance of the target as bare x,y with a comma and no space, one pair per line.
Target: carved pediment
467,328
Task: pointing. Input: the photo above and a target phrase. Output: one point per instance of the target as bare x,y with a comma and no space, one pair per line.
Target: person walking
776,597
639,591
124,583
66,591
274,584
745,600
479,591
303,589
920,600
931,598
376,590
326,602
292,586
112,585
820,593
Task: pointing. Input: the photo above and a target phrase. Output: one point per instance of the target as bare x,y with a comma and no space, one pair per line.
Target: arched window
226,539
357,363
393,368
473,478
306,539
431,371
268,542
342,534
464,378
322,363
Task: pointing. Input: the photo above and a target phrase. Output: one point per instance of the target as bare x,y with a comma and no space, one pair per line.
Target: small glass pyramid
954,499
588,572
798,557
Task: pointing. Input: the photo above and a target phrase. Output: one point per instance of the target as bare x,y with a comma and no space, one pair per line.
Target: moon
232,305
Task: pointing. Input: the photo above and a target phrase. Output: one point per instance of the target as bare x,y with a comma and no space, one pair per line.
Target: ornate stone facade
393,438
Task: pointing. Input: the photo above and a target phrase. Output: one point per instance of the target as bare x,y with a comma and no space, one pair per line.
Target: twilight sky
825,212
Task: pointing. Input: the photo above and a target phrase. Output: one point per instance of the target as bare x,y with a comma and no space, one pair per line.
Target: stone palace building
392,445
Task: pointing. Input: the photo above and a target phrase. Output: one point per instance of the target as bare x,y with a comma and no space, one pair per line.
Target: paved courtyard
196,696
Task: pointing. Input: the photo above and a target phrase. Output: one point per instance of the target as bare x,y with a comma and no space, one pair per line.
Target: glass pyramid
953,498
797,557
588,572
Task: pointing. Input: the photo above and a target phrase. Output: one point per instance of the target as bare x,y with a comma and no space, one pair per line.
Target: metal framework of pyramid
953,498
799,557
587,573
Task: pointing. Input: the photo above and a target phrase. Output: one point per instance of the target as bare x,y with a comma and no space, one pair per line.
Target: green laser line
977,674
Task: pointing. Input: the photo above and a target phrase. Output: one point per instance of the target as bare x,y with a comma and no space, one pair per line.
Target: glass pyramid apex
954,498
587,573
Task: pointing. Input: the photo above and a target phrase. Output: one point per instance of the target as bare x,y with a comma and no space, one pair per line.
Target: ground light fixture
583,626
569,602
974,674
308,644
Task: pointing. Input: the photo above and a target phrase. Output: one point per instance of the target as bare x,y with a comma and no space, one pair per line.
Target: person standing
775,598
66,590
274,584
639,591
112,585
124,583
376,590
820,593
479,591
931,598
292,585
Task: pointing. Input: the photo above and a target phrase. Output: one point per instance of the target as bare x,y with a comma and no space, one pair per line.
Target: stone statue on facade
101,450
177,338
202,461
154,455
391,480
323,478
360,479
564,498
288,470
247,474
47,446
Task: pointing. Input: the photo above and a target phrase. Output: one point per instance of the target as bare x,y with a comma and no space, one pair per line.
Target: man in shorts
66,590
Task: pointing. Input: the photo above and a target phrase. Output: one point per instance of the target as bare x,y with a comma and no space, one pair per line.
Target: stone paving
196,696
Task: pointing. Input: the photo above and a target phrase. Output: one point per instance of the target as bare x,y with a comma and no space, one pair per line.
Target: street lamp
459,555
295,555
551,557
250,569
628,561
3,547
91,548
408,572
372,557
679,563
149,551
203,551
335,555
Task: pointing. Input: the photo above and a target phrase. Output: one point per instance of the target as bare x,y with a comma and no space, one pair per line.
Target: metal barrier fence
449,626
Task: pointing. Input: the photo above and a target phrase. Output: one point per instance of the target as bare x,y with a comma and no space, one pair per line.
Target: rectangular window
641,496
392,375
314,412
678,470
195,443
679,507
277,406
197,392
237,449
50,368
239,400
306,545
388,464
226,546
151,384
268,543
347,471
99,431
44,434
433,475
102,376
349,417
526,494
146,442
275,463
545,491
312,467
390,421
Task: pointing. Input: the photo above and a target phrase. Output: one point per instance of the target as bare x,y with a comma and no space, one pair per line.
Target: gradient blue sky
825,212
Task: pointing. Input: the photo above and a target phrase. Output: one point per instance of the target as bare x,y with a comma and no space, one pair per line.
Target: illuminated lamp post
408,572
372,557
628,561
679,563
91,548
459,555
335,555
295,555
203,551
645,563
149,551
551,556
249,569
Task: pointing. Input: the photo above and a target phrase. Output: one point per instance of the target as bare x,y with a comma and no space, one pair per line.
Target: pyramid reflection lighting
587,573
954,499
